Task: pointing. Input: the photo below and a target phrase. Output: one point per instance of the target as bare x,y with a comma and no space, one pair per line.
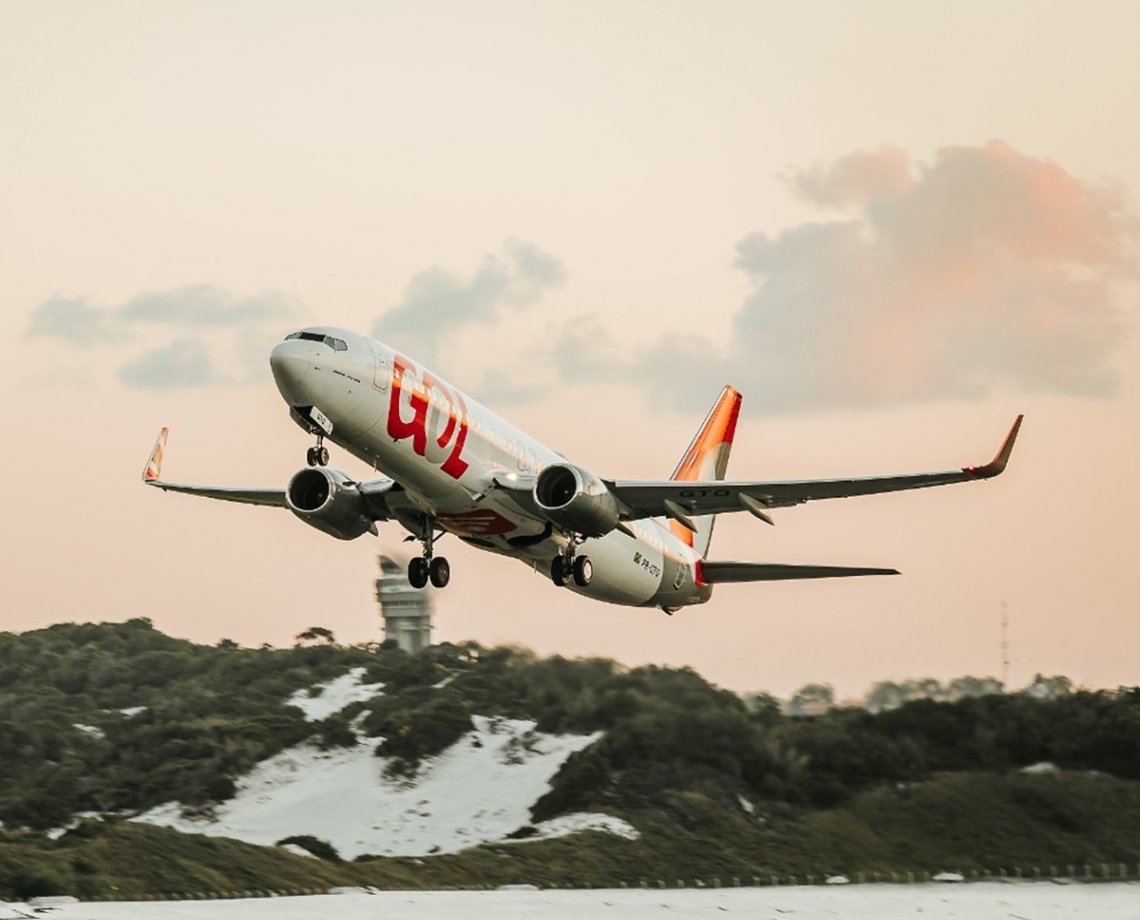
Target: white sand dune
334,695
479,790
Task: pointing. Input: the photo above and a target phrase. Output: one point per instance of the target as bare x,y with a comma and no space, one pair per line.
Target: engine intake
329,501
577,500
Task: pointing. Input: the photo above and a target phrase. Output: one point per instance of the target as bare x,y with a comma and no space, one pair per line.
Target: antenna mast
1005,646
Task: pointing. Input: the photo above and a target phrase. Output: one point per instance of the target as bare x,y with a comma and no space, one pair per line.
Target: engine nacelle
577,500
330,501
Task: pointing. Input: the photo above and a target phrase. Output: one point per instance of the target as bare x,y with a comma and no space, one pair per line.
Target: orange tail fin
706,460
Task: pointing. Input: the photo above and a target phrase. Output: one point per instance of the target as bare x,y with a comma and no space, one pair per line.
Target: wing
680,499
152,476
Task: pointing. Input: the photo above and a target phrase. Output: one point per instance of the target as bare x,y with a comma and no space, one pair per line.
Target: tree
315,634
973,686
884,695
812,700
1049,688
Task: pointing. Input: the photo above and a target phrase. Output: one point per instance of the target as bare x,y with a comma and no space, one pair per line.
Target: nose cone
290,363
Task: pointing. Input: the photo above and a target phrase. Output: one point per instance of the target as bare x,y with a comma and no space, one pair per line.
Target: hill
130,761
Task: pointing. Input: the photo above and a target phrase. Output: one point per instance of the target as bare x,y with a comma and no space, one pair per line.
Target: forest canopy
118,718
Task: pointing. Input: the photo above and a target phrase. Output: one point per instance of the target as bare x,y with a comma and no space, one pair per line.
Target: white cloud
205,305
173,337
72,319
439,303
183,363
984,268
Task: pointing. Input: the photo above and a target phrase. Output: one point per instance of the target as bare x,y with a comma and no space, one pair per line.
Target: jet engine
330,501
577,500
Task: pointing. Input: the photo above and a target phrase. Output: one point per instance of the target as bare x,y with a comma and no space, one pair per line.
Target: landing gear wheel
418,572
322,456
559,571
583,571
439,571
311,456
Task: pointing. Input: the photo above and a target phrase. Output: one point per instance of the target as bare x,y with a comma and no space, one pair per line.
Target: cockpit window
334,343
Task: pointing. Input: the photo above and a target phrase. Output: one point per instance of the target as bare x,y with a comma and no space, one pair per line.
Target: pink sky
894,227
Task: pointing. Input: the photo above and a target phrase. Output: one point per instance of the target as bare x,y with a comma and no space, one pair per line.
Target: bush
26,883
322,849
418,725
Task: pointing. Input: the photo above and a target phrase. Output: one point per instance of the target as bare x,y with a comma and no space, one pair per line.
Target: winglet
1001,458
153,471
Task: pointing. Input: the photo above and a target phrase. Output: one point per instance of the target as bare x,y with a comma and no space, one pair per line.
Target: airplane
451,466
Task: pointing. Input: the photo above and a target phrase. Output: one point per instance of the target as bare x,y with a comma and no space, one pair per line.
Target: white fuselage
446,451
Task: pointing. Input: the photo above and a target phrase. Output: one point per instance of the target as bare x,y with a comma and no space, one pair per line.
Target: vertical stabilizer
707,460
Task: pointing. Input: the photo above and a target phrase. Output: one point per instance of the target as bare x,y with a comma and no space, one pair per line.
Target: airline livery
450,465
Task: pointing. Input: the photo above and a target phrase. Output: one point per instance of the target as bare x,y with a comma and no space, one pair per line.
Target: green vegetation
716,787
211,714
322,849
963,822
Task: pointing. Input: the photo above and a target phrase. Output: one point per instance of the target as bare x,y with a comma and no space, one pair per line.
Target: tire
583,571
311,456
322,456
440,572
418,572
558,573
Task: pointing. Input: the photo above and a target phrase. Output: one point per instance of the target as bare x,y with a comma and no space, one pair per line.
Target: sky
893,226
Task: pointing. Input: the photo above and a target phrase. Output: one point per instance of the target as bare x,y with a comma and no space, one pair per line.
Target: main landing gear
421,570
567,566
428,567
319,455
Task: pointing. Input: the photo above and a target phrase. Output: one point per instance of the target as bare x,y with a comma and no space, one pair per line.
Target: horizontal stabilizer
715,573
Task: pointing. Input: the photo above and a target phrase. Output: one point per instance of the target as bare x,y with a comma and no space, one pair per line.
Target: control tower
406,610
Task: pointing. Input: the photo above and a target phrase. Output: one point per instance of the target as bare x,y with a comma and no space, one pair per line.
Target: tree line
117,718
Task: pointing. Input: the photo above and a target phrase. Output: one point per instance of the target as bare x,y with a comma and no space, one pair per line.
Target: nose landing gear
319,455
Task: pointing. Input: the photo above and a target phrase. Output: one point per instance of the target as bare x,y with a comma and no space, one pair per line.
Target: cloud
438,302
983,268
204,305
584,350
173,337
183,363
77,321
855,178
499,389
72,319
